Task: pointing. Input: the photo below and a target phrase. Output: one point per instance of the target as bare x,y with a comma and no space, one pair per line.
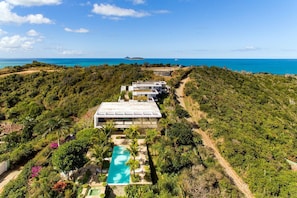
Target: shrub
35,170
54,145
135,178
181,131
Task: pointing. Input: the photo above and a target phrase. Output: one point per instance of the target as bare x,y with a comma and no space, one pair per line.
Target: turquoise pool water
119,172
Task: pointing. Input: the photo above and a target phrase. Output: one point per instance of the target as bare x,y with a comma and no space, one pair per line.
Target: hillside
252,118
34,102
44,107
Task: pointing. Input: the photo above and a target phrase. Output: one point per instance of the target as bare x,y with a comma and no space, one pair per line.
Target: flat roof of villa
128,110
147,83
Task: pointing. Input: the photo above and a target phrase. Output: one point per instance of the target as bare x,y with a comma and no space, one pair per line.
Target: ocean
274,66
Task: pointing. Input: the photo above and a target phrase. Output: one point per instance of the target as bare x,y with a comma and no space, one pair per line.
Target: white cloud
34,2
2,32
71,52
248,48
32,33
16,42
7,16
37,19
161,11
138,1
114,11
80,30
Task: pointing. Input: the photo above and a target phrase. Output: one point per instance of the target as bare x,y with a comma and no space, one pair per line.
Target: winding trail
207,141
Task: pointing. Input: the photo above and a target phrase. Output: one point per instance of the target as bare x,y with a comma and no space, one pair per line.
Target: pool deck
142,155
118,190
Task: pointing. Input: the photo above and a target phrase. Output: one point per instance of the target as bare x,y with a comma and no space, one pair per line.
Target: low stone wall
4,166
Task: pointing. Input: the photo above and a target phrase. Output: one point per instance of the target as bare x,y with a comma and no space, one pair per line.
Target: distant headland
133,58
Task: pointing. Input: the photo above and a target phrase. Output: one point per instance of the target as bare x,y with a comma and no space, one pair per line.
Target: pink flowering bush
35,170
54,145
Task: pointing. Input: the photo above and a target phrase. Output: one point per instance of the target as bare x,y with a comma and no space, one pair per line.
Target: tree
134,164
108,128
181,131
168,184
132,132
12,139
70,156
42,185
56,123
133,148
99,152
151,135
139,191
87,133
180,112
28,129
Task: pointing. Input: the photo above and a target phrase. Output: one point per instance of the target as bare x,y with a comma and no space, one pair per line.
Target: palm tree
157,148
101,138
56,123
99,152
151,135
133,148
132,132
134,164
64,127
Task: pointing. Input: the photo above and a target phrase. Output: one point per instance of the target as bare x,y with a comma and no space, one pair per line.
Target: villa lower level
125,114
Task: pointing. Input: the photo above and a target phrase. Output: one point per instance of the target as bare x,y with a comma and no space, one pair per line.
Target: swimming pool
119,172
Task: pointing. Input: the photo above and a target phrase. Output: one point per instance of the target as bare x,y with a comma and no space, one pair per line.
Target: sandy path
31,71
207,141
8,176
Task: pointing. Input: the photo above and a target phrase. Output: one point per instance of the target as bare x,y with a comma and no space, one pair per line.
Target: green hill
253,119
36,100
47,105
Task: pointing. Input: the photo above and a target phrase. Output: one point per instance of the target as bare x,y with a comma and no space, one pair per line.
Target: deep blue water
274,66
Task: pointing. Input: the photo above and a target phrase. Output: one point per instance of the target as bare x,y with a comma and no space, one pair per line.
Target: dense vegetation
253,118
48,105
183,166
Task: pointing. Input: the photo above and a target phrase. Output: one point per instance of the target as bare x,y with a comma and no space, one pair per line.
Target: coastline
273,66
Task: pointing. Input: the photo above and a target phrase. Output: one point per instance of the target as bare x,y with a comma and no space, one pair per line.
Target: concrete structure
145,91
4,166
125,114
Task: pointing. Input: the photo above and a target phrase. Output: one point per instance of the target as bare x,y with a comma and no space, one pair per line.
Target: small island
133,58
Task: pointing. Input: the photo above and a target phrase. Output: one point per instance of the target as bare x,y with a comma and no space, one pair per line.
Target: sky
148,28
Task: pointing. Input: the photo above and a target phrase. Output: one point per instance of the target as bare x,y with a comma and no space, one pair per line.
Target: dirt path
8,176
31,71
207,141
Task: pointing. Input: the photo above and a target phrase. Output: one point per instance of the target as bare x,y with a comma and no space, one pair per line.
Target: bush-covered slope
70,90
253,118
46,101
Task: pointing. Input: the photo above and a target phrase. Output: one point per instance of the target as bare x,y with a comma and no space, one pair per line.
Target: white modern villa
143,113
125,114
148,90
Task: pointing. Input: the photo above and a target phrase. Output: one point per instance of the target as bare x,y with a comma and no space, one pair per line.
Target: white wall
4,166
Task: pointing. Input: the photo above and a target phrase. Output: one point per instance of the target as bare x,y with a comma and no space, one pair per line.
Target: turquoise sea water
275,66
119,172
